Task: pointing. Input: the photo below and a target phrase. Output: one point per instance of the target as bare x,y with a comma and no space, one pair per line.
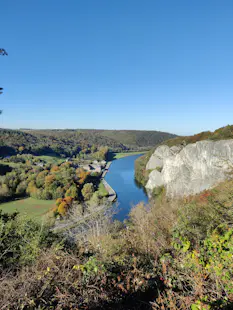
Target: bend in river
121,178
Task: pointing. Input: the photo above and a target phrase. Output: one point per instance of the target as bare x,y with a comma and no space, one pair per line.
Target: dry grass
113,264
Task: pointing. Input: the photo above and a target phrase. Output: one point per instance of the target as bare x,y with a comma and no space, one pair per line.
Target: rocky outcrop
154,178
160,154
191,169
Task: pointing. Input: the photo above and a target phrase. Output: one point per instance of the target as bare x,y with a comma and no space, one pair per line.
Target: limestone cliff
187,170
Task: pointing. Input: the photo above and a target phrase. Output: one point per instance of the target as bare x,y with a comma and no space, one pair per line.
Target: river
121,178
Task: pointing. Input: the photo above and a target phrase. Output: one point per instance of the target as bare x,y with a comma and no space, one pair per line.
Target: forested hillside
219,134
65,143
70,142
134,138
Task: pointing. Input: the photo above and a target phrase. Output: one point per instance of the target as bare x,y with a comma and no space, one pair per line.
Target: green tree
72,192
21,188
4,192
87,191
46,194
93,148
60,192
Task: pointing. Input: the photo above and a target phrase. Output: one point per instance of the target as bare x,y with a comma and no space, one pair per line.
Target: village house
40,164
92,168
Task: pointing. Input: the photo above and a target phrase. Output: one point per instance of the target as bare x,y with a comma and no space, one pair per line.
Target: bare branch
3,52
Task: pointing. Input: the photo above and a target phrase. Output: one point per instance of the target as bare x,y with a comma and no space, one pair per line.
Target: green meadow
56,160
121,155
33,208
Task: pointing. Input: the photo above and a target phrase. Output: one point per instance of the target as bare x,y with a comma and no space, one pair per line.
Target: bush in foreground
169,255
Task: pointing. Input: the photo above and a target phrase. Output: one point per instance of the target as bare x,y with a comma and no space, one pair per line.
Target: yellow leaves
81,175
207,266
54,169
58,201
48,269
49,179
195,254
63,204
63,207
68,200
79,267
32,302
21,148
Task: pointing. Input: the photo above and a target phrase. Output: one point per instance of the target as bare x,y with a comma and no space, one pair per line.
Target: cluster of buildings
96,166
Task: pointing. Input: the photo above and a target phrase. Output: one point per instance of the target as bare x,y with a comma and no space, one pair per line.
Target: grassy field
13,165
33,208
102,190
121,155
52,159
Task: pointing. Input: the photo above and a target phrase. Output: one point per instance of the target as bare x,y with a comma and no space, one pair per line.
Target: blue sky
125,64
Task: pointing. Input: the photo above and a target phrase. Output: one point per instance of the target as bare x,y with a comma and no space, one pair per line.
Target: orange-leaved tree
63,205
54,168
58,201
49,179
62,208
68,200
81,175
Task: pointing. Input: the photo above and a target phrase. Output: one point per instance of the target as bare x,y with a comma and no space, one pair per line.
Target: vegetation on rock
141,174
222,133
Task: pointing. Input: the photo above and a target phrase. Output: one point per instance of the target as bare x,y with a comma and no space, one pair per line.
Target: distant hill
134,138
51,142
69,142
123,139
129,138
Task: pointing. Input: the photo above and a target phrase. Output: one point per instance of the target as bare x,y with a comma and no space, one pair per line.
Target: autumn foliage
54,168
81,175
63,205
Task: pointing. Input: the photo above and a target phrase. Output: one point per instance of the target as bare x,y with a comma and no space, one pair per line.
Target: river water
121,179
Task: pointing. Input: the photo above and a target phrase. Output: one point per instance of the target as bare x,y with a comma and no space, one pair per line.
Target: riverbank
112,196
106,169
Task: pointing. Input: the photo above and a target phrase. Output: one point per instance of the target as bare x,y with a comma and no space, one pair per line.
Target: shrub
102,190
157,191
21,240
141,174
87,191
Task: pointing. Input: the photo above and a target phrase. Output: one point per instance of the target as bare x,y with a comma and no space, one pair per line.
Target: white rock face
158,157
194,168
155,177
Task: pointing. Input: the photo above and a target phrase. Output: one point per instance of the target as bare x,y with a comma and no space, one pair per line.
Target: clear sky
123,64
